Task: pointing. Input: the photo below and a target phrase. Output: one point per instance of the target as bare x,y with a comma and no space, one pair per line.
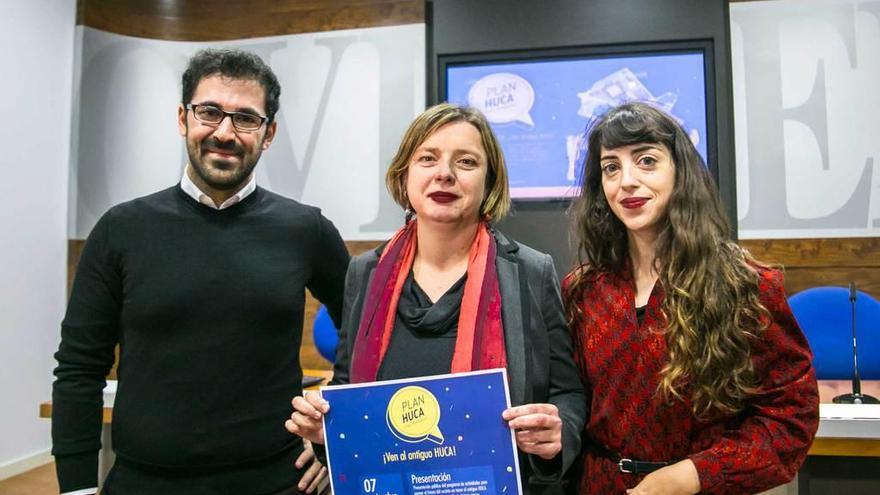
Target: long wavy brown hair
710,284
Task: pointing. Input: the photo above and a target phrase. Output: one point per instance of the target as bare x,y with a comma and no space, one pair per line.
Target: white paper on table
849,411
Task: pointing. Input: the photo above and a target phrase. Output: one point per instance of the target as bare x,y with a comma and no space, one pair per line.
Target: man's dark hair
234,64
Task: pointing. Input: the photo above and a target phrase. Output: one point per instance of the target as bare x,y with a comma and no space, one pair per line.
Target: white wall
339,124
37,40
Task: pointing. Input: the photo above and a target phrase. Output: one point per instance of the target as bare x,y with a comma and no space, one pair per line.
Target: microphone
856,397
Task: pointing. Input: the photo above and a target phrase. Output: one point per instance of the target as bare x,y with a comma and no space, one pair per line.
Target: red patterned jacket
620,361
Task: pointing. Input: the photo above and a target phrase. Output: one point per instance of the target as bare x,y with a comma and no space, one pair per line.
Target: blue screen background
537,155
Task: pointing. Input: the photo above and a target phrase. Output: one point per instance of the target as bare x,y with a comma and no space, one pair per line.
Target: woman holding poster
448,293
698,376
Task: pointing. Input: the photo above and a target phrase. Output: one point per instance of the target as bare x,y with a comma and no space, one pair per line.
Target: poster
439,435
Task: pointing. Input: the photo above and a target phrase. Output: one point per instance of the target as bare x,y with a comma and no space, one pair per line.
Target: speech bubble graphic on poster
413,415
503,97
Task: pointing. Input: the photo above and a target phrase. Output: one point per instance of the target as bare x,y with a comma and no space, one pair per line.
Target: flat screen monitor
540,103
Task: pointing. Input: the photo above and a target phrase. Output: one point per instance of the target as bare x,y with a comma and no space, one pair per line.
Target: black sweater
207,307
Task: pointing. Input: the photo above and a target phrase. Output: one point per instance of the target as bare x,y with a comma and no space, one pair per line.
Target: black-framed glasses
211,115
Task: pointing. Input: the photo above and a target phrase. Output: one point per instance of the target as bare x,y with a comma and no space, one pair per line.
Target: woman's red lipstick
443,197
633,203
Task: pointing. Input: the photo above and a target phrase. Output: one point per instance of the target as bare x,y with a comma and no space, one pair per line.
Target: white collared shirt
193,191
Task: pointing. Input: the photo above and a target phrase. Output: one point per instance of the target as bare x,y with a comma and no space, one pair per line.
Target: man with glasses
202,286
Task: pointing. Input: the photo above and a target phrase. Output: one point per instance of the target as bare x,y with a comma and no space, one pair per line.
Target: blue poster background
537,155
477,453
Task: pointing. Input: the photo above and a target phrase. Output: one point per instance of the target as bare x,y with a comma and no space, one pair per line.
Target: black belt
639,467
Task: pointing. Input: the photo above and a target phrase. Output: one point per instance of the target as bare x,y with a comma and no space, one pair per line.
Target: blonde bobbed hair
496,203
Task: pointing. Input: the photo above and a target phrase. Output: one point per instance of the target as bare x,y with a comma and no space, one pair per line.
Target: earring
408,215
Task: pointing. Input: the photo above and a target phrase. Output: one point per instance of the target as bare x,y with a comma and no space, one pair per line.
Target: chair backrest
325,334
825,316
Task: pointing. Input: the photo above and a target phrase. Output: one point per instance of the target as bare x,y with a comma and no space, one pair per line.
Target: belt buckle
625,465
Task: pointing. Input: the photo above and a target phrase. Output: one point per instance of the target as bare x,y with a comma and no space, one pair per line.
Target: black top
537,343
424,332
640,314
207,307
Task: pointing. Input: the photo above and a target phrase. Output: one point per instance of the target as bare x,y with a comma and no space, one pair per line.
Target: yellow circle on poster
414,415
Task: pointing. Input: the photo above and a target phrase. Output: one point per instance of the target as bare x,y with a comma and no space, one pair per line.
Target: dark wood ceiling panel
216,20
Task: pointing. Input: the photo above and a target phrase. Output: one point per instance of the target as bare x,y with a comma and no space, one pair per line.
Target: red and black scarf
479,342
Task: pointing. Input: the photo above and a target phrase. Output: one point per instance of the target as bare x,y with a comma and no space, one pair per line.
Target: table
846,437
106,456
107,417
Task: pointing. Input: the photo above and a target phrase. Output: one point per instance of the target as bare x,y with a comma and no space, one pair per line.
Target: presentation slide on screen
540,109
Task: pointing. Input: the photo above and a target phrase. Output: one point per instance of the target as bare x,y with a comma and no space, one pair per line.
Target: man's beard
226,182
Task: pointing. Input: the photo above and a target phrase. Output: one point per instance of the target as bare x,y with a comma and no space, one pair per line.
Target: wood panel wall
816,262
222,20
806,262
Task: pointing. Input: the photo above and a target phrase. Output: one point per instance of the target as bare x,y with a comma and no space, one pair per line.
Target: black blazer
540,366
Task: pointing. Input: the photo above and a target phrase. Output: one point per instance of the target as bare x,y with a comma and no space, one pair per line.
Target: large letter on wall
803,95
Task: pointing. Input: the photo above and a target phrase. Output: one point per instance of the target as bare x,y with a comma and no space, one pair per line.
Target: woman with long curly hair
697,375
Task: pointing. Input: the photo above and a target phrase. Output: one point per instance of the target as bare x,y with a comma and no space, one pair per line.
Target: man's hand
680,478
308,413
538,429
314,476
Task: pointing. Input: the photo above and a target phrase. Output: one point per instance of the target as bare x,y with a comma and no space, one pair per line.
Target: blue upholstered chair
325,334
825,316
